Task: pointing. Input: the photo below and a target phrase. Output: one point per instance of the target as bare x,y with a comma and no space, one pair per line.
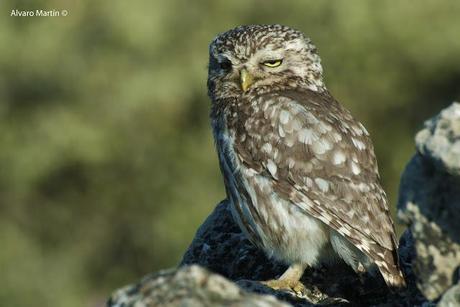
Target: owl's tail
388,264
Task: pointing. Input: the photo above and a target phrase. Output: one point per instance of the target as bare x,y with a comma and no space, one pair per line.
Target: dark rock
429,202
220,246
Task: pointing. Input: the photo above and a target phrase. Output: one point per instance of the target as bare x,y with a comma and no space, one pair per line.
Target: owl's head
259,58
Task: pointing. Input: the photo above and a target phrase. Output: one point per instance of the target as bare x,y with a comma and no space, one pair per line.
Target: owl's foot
311,294
287,284
290,280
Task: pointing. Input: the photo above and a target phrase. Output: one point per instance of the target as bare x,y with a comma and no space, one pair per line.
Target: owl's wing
322,160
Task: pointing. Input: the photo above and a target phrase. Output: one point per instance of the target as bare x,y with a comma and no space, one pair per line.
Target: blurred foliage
107,165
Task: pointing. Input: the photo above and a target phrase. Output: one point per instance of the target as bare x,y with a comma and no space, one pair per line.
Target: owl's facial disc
262,56
266,65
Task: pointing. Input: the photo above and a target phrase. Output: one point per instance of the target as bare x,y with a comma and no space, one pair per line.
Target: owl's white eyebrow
271,55
272,49
271,58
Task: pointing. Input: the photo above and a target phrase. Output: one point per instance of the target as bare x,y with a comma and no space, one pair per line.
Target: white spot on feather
355,168
338,158
281,131
307,136
365,219
290,162
357,130
354,157
272,168
321,146
364,187
322,184
308,182
275,153
250,172
364,129
267,147
266,105
284,117
345,231
358,144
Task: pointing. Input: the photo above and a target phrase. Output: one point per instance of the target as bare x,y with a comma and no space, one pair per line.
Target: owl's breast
268,220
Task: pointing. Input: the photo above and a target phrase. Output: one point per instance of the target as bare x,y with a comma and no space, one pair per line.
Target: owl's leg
290,280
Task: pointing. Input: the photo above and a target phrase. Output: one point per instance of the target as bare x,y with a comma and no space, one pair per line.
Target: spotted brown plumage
299,170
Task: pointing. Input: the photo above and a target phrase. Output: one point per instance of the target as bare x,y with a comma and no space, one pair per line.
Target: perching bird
299,170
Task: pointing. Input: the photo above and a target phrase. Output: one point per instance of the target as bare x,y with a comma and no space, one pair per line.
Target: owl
299,170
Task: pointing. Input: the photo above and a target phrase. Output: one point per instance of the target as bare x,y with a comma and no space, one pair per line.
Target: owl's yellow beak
246,79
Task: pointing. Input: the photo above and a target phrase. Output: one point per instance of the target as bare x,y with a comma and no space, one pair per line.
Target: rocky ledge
222,268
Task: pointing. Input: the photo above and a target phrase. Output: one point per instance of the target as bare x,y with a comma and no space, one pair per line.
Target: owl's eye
225,64
272,63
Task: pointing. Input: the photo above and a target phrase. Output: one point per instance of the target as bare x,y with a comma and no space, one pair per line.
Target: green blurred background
107,165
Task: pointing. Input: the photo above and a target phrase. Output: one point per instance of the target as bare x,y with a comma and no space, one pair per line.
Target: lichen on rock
429,202
451,298
189,286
